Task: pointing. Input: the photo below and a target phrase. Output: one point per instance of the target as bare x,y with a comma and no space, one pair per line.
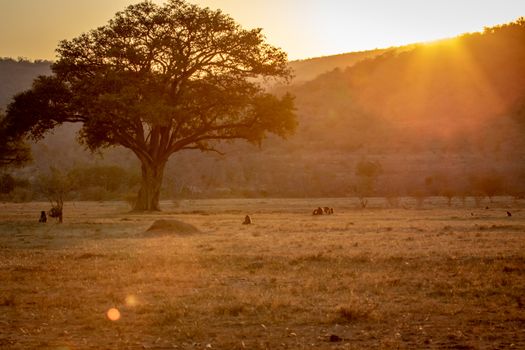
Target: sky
303,28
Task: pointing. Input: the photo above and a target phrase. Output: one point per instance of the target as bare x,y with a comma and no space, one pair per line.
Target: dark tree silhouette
13,150
158,79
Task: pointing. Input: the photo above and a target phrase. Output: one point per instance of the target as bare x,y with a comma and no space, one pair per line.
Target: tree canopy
13,150
158,79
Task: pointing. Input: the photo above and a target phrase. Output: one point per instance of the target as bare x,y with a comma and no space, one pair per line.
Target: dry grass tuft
354,311
8,300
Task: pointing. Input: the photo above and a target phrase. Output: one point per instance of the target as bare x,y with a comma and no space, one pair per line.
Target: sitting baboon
56,212
509,213
247,220
43,217
328,210
318,211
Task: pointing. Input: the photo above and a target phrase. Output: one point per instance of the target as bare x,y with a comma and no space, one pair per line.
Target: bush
131,199
487,185
369,169
7,183
109,178
21,195
95,193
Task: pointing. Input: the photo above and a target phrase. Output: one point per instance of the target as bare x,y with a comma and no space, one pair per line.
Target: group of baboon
323,210
55,212
317,211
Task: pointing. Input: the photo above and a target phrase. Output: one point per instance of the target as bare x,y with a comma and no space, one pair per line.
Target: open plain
435,277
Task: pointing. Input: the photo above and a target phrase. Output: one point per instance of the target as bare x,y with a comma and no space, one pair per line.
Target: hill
437,95
309,69
17,75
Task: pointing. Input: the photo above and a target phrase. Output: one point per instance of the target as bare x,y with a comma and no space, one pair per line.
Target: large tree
13,150
158,79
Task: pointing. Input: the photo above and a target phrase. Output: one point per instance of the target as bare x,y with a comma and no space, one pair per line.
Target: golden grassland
436,277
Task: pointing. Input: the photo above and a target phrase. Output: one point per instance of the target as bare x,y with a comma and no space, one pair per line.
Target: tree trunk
149,193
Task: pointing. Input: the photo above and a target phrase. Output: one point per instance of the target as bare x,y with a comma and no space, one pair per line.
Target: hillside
17,75
449,94
446,114
309,69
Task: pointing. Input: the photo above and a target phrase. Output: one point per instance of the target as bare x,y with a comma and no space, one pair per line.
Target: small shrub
393,201
21,195
419,196
131,199
8,300
353,312
233,309
7,183
449,194
95,193
478,199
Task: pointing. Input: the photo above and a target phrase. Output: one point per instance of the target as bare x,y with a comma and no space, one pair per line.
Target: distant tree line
363,180
17,75
83,183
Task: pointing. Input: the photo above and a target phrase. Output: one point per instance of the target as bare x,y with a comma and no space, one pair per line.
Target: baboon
509,213
247,220
43,217
56,212
318,211
328,210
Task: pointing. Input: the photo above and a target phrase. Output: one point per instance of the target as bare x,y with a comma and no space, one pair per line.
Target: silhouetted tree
7,183
367,173
13,150
519,113
490,185
55,187
158,79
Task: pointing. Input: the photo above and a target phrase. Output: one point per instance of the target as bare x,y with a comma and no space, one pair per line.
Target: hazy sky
303,28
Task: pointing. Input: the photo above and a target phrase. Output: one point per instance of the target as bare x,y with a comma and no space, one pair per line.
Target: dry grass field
431,278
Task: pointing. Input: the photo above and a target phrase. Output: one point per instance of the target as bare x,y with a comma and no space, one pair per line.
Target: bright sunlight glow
303,28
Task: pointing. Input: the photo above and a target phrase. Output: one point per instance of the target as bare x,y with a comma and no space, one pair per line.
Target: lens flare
113,314
131,300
